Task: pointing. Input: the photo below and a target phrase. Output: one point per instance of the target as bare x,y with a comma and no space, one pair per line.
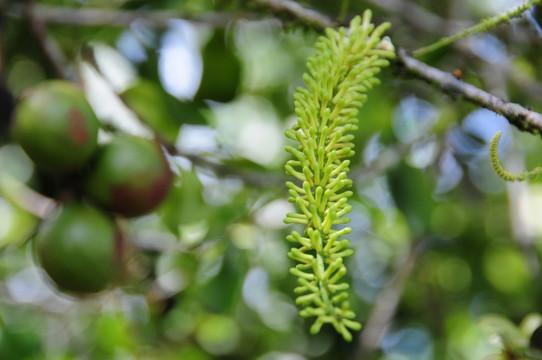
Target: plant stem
484,25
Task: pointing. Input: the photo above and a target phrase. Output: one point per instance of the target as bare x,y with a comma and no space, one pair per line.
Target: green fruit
56,126
79,249
131,176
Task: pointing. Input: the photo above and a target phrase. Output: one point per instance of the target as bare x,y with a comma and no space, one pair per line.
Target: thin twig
519,116
387,302
483,25
527,84
124,18
48,44
297,11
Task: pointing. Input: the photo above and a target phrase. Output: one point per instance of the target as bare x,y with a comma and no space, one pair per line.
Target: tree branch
298,12
519,116
124,18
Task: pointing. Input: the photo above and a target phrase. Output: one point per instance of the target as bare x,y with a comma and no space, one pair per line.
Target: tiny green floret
342,70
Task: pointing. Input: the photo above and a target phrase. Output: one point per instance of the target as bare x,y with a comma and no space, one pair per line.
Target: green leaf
184,204
162,112
221,70
498,324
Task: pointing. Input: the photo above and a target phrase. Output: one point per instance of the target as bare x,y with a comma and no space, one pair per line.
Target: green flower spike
342,70
499,169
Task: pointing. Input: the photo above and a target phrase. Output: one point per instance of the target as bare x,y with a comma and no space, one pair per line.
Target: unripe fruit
56,126
130,176
79,249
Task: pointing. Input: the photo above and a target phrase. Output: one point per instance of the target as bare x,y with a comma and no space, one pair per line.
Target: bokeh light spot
454,275
505,269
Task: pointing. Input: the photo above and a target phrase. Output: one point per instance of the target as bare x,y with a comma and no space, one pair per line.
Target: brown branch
519,116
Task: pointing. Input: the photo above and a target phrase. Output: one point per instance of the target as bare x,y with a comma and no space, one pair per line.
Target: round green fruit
79,249
56,126
130,176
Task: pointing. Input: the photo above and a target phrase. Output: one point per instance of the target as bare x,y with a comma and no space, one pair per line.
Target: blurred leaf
191,352
505,268
16,225
112,334
221,69
161,111
500,325
245,164
19,343
218,334
530,323
412,190
221,292
393,229
194,7
184,204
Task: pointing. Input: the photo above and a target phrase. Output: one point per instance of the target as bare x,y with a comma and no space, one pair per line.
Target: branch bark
519,116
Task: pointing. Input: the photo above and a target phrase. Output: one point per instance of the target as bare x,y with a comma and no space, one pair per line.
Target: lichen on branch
340,73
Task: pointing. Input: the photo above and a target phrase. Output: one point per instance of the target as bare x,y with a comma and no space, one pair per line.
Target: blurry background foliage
447,255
